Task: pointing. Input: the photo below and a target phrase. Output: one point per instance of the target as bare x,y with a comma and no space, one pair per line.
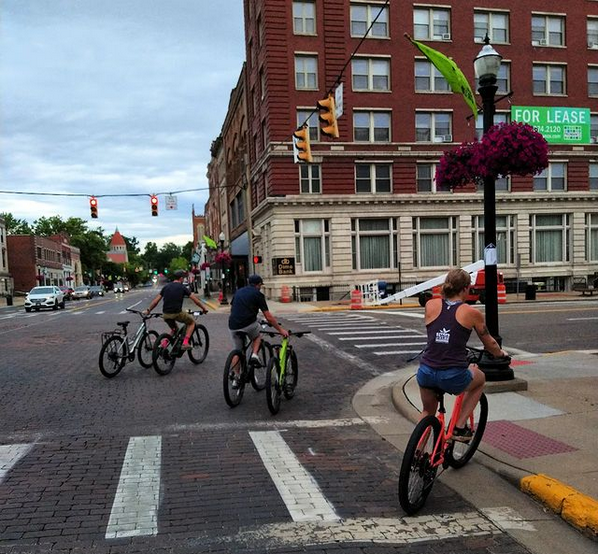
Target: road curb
348,307
575,508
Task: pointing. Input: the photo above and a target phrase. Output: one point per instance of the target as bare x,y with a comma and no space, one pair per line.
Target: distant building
35,261
6,284
71,260
118,249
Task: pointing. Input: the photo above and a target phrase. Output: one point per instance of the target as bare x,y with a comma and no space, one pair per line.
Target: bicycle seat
123,324
439,392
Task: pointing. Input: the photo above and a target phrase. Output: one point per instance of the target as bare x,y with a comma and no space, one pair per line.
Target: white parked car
44,297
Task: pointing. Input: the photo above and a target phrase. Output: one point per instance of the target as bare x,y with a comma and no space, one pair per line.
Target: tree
15,226
178,263
187,250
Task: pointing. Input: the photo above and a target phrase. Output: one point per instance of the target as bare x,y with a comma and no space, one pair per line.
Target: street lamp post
221,238
487,64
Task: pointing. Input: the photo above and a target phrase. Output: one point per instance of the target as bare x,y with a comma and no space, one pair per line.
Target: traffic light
328,117
302,145
257,259
154,203
93,206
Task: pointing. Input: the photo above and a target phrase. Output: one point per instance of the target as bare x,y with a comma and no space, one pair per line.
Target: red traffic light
154,203
93,206
257,259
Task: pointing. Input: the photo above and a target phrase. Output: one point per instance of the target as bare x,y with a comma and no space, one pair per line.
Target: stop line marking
10,454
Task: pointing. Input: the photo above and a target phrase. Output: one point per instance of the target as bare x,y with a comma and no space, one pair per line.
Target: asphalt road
143,463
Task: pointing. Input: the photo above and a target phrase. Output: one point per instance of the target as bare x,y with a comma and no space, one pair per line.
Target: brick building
117,252
368,208
71,261
6,282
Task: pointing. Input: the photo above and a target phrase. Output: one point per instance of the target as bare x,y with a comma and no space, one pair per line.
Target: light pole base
495,369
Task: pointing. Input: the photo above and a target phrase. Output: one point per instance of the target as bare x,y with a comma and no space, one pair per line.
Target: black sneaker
462,434
255,361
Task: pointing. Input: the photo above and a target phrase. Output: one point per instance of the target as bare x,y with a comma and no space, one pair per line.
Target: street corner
574,507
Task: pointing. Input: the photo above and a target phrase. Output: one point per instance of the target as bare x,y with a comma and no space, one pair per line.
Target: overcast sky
110,97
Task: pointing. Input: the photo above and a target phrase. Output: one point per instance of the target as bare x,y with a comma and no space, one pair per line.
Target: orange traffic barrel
436,292
285,294
502,294
356,299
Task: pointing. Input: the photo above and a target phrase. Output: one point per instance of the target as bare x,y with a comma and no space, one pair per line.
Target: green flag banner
210,243
450,71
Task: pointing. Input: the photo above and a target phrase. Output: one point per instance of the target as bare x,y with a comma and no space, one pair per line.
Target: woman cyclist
449,321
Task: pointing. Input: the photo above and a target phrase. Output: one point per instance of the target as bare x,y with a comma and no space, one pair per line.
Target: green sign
557,125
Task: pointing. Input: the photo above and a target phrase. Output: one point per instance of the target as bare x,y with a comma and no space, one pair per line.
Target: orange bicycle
431,446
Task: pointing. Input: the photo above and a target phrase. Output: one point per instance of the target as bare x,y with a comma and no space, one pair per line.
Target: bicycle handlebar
143,316
197,312
474,355
291,333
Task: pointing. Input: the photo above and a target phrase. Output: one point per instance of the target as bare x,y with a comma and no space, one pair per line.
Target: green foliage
178,263
15,226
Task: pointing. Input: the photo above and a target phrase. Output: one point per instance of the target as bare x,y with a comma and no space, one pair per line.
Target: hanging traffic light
93,206
257,259
302,145
327,116
154,203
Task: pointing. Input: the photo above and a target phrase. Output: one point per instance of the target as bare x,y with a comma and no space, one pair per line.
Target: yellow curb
210,304
574,507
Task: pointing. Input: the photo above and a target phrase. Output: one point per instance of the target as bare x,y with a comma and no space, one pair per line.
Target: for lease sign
557,125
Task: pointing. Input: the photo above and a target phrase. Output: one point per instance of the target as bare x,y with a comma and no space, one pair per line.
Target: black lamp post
221,238
487,64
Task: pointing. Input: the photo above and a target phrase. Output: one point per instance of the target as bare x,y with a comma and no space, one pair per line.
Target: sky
101,97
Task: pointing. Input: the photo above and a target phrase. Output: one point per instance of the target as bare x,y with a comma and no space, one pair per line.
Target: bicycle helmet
179,273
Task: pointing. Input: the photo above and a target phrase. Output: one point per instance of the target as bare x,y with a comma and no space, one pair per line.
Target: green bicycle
282,374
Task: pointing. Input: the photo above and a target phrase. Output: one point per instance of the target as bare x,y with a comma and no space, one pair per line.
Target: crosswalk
52,314
364,332
272,484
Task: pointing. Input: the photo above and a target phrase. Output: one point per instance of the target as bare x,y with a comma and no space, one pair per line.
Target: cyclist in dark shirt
172,296
245,306
449,321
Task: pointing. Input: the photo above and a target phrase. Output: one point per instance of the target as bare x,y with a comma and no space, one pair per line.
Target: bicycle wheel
233,378
459,453
200,341
273,392
162,358
113,356
291,375
145,350
258,374
417,473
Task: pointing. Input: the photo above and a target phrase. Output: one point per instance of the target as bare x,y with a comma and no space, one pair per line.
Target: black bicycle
117,350
239,370
168,347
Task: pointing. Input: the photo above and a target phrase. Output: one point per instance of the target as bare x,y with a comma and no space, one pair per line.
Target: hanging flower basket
205,265
69,278
223,258
39,277
505,149
195,271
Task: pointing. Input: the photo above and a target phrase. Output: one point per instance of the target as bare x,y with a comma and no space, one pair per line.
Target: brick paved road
143,463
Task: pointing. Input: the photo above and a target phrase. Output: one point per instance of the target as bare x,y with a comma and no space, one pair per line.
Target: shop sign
283,266
557,125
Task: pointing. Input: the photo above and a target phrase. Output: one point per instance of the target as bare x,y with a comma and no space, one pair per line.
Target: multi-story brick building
6,283
368,208
71,261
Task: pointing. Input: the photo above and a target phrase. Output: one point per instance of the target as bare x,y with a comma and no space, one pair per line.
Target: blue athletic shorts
453,380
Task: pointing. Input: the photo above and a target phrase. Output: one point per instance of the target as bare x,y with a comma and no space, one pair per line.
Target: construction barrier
436,292
285,294
502,294
356,299
370,292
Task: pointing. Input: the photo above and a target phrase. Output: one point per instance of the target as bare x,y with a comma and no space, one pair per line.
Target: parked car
97,290
44,297
126,287
119,287
67,291
81,292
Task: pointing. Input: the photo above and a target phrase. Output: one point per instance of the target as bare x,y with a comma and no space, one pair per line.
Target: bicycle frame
446,434
282,357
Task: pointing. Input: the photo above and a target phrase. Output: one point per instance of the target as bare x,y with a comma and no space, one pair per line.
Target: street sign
195,258
171,202
283,266
557,125
338,101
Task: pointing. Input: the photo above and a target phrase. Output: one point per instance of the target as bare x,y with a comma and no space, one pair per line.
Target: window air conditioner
542,42
593,45
446,36
447,138
535,43
438,138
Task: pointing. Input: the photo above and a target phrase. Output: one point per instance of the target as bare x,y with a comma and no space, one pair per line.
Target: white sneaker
255,361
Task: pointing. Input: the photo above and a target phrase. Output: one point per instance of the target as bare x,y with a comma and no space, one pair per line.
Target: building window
499,117
371,126
306,72
548,30
592,237
304,18
553,178
428,78
592,81
433,127
309,175
503,79
594,127
593,176
592,27
312,244
362,16
237,209
311,117
371,74
505,238
425,178
493,24
262,84
549,238
549,79
431,24
434,241
374,243
372,178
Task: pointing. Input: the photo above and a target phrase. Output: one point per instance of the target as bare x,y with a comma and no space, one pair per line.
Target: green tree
150,256
178,263
15,226
187,251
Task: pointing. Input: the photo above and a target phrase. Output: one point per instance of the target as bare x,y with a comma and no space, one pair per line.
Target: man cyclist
245,306
173,295
449,321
